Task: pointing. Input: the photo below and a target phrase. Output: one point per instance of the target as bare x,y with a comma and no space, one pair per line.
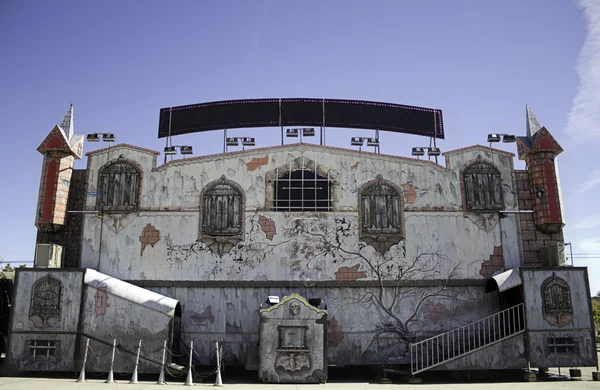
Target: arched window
302,190
380,211
222,210
483,187
119,186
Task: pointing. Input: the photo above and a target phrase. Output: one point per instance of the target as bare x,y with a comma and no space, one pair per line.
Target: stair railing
444,347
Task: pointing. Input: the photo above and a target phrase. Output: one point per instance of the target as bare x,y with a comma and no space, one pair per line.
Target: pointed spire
67,123
533,126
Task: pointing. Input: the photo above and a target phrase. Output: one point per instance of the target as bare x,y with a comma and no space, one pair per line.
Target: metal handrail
439,349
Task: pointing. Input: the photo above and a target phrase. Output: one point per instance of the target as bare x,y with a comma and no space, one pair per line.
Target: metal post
82,374
189,381
111,378
219,381
134,377
224,140
161,377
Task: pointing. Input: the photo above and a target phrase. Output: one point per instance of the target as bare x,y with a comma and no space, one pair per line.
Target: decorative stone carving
45,310
294,307
380,213
556,301
221,238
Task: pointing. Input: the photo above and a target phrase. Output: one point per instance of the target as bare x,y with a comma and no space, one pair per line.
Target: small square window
292,338
45,348
561,345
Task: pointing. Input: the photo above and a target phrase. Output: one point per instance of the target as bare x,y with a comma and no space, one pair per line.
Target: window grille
222,211
302,190
483,187
561,344
119,187
42,348
380,213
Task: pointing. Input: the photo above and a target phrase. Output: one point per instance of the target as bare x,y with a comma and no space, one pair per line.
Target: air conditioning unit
48,256
554,255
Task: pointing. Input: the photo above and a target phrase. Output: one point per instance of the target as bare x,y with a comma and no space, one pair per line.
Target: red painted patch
546,143
335,334
49,195
54,143
101,301
434,311
552,194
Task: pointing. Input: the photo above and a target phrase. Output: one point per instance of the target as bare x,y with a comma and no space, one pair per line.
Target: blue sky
478,61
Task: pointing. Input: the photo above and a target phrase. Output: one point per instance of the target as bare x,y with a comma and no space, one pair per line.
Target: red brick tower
539,149
60,148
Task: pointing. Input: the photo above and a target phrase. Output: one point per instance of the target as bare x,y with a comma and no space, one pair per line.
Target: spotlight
93,137
493,138
170,150
418,151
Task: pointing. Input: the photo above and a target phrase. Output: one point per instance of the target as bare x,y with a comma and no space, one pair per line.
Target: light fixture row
246,141
183,149
359,141
431,151
504,137
95,137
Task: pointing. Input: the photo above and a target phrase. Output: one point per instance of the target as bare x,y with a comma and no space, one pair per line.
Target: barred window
45,348
380,209
119,187
483,188
222,210
302,190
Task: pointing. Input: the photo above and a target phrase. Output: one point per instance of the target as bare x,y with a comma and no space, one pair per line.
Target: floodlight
509,138
434,152
292,132
232,141
93,137
494,138
308,132
108,137
186,149
248,141
372,142
418,151
357,141
170,150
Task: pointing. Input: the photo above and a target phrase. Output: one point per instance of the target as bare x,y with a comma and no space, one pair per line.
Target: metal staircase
458,342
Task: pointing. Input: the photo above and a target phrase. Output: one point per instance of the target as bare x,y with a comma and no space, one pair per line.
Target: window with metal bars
483,188
118,187
561,344
380,210
302,190
44,348
222,211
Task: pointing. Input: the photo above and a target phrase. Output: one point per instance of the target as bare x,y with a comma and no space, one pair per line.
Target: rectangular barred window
302,190
42,348
561,345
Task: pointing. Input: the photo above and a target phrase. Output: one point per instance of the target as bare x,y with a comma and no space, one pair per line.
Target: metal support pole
161,376
82,374
224,140
189,381
111,375
219,381
134,377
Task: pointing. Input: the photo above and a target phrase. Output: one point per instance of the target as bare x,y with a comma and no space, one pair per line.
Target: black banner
358,114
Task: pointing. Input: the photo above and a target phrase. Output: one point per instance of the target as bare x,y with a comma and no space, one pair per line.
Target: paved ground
59,384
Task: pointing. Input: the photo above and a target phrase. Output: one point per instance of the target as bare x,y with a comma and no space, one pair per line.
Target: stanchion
161,377
82,374
218,381
111,378
134,377
189,381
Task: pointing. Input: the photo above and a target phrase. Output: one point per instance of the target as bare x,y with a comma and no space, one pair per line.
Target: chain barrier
99,355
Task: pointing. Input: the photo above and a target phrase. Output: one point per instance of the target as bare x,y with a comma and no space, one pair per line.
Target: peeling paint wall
440,237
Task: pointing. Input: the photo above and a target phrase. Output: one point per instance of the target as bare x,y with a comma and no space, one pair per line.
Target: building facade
398,249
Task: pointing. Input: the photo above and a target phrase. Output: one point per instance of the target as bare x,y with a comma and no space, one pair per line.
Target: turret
539,149
60,148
